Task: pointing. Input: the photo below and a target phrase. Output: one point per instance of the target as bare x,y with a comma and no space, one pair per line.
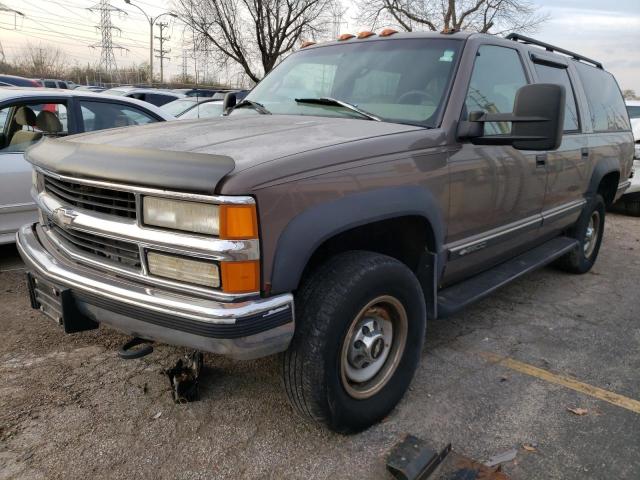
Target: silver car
29,114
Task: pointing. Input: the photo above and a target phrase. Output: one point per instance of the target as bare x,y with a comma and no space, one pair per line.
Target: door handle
541,160
584,151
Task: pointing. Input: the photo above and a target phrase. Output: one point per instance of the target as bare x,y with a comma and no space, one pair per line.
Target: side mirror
229,102
537,118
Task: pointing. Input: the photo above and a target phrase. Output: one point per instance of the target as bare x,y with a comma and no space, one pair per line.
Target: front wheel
361,321
588,230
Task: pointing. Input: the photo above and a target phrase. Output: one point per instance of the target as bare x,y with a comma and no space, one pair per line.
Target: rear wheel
360,328
588,231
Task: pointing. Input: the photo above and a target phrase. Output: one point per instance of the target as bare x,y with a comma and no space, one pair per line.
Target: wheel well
403,238
608,187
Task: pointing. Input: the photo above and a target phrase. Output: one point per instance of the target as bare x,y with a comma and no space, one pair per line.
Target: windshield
177,107
203,110
402,80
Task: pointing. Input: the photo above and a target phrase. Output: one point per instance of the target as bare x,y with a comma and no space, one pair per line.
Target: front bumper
243,330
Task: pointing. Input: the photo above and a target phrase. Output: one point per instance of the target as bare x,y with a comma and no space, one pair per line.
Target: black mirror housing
537,120
545,100
229,102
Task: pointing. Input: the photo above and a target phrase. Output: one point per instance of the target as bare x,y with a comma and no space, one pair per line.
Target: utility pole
161,51
152,21
4,8
107,57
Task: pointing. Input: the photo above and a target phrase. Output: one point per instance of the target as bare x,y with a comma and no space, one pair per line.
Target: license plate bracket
59,304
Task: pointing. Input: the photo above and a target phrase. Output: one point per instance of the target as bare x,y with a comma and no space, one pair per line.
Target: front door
497,192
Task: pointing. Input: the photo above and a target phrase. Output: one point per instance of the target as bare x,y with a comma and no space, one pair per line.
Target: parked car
28,115
91,88
151,95
19,81
209,109
361,188
196,92
631,199
192,107
53,83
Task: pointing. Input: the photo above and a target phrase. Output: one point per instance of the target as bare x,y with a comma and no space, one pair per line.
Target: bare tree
629,94
254,33
42,60
486,16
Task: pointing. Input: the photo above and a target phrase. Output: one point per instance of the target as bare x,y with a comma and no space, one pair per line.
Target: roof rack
550,48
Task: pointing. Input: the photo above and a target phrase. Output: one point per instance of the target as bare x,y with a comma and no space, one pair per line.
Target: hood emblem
64,216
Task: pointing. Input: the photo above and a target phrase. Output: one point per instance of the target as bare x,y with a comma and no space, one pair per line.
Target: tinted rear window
634,111
560,76
606,105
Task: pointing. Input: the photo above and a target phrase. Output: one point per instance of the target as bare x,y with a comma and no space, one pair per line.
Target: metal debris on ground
502,457
411,459
183,377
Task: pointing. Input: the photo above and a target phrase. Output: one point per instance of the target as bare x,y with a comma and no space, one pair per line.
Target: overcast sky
608,31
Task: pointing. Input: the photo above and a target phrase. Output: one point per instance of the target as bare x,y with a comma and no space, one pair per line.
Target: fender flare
602,168
304,234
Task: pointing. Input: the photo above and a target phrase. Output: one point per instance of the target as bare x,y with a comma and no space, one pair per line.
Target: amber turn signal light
238,222
387,32
240,277
365,34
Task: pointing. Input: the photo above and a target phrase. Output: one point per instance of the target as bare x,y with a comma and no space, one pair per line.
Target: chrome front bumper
243,330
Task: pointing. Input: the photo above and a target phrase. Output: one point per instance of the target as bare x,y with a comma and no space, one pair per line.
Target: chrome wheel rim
373,347
592,234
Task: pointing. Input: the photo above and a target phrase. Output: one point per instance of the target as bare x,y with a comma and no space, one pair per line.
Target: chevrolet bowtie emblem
64,216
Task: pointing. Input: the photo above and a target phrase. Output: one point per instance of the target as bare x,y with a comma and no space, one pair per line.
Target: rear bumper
634,187
243,330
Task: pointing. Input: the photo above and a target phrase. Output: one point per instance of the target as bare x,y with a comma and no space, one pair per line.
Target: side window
634,111
560,76
606,105
50,84
497,76
26,124
101,115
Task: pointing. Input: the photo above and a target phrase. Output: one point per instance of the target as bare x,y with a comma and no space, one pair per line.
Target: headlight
183,269
182,215
230,222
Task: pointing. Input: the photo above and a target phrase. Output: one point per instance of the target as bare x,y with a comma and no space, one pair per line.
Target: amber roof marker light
308,43
387,32
345,36
365,34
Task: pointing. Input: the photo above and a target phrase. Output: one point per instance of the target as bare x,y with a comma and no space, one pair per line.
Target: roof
8,93
632,103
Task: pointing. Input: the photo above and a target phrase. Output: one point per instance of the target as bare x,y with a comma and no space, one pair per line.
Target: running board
455,298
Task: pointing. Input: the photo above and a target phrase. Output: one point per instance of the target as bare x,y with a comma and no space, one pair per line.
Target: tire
336,303
583,258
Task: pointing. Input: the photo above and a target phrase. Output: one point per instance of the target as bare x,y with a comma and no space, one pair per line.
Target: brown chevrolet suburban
363,187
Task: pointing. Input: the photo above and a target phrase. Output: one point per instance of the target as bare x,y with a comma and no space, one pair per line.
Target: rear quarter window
606,105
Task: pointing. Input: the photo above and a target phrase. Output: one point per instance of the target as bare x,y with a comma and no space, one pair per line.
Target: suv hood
196,155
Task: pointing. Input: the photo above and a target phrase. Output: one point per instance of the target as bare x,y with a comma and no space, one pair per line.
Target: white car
29,114
631,198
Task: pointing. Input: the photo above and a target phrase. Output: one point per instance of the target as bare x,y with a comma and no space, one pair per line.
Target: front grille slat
98,199
102,248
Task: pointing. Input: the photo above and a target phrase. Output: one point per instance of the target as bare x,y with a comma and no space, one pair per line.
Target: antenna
107,57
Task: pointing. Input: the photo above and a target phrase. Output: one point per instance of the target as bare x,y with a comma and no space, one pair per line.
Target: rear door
567,167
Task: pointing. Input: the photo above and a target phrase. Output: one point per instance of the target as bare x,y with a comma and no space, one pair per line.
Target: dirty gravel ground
69,408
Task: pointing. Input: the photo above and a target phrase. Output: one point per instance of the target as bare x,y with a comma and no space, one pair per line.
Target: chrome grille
88,197
124,253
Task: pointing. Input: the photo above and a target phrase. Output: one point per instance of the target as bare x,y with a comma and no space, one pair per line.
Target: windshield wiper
258,107
338,103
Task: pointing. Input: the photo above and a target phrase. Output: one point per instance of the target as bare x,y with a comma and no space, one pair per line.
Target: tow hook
128,352
183,377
